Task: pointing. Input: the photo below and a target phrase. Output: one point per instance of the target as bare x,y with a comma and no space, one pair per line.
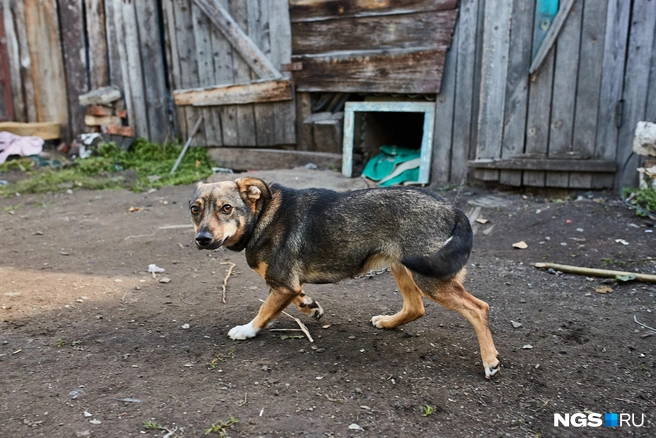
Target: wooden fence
568,124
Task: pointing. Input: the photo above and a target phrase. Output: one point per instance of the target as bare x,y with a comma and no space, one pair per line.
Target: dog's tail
451,257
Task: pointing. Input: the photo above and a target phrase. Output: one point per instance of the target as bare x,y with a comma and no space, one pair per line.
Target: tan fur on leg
454,296
308,306
413,306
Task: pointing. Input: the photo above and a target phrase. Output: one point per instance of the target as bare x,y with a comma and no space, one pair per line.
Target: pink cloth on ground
12,144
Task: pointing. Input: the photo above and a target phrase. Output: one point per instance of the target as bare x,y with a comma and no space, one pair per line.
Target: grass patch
645,199
222,428
150,163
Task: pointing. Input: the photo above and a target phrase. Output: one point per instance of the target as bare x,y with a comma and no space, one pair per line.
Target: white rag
12,144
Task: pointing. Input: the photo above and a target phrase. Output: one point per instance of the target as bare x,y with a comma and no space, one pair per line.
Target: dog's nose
204,238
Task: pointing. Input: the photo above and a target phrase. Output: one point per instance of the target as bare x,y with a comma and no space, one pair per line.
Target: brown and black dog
293,237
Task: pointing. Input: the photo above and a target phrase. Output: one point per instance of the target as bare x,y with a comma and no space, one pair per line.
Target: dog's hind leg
308,306
278,299
413,306
453,295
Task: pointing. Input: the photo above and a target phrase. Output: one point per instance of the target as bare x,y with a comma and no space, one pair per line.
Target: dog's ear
253,189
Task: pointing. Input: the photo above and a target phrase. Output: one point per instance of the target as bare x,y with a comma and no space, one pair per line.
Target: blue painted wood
545,12
428,108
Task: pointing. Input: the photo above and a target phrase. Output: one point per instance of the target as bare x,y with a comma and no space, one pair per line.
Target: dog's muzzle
204,239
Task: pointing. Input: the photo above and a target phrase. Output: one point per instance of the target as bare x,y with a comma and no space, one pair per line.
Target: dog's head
225,213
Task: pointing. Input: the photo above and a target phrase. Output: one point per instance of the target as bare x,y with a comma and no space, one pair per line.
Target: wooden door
6,105
224,58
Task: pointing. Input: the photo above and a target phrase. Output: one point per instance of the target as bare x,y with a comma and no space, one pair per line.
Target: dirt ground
92,345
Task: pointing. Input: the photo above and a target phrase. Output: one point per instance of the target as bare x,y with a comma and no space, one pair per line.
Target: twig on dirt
333,399
644,325
244,401
648,278
225,280
170,432
17,351
140,235
304,329
634,402
173,227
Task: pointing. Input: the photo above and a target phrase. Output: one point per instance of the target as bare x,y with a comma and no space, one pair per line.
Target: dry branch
225,280
300,324
648,278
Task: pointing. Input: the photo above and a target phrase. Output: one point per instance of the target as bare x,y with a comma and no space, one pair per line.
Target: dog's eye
195,209
226,209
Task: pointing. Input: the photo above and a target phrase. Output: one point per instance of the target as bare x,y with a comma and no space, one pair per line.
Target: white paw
377,321
242,332
317,312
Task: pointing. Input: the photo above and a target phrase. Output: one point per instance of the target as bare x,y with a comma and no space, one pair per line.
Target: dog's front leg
278,299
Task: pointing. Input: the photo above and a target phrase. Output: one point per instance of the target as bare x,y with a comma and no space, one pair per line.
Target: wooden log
251,54
268,159
45,130
384,71
261,91
648,278
318,10
98,66
424,29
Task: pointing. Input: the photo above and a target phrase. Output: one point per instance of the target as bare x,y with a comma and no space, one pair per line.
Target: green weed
221,428
427,410
645,199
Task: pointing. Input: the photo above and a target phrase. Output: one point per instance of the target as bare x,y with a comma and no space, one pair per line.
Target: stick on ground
225,280
647,278
300,324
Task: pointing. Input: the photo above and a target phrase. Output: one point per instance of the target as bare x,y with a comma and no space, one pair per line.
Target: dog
293,237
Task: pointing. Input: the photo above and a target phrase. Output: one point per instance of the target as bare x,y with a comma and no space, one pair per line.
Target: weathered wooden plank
25,60
552,35
563,99
13,55
45,130
327,136
6,101
478,49
589,85
284,113
303,130
425,29
98,67
538,118
651,97
113,58
135,74
47,62
184,30
232,30
465,88
152,62
172,60
72,36
257,91
390,71
636,85
267,159
205,62
223,74
443,146
258,31
612,82
549,164
245,113
317,10
494,72
123,60
519,58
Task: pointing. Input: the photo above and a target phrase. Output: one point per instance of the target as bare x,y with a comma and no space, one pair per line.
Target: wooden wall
569,124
